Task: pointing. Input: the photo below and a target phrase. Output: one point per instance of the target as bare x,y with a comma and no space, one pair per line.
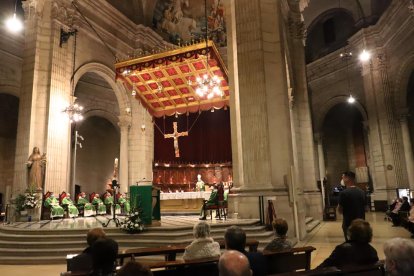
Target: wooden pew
200,267
170,252
289,260
368,270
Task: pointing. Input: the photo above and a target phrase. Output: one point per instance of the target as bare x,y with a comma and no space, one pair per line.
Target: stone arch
341,21
402,79
109,76
103,114
10,89
328,105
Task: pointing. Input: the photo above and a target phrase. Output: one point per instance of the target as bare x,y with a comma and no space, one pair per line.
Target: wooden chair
45,213
64,206
289,260
219,205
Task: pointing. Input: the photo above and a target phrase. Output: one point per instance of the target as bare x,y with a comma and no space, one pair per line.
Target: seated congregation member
124,203
109,201
394,212
210,202
234,263
99,205
280,227
83,204
356,251
104,253
203,246
134,268
68,203
399,256
235,239
83,261
55,209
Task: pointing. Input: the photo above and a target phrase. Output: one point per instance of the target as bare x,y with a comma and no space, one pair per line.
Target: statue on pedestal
36,165
200,186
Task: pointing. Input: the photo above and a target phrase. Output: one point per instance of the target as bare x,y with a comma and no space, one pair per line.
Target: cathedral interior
308,89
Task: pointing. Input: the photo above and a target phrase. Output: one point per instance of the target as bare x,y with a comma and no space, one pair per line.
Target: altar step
21,245
311,224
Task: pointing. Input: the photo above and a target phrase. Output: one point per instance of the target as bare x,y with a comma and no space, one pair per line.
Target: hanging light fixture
346,56
14,24
207,86
74,111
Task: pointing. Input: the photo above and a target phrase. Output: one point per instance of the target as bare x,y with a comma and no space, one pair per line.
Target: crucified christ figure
175,135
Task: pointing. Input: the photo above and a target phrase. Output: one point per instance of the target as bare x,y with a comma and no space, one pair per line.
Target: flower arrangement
28,200
133,222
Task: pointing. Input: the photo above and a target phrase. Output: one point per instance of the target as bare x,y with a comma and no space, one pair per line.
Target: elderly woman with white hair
399,256
203,246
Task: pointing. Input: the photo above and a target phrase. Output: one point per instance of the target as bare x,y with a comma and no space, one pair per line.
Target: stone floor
324,238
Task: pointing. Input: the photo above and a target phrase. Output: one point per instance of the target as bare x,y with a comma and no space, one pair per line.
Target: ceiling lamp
14,24
364,56
207,86
74,112
351,99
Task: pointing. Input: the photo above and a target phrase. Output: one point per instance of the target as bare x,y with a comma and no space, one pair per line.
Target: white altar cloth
185,195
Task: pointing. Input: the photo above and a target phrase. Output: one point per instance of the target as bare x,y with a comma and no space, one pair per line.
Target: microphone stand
115,186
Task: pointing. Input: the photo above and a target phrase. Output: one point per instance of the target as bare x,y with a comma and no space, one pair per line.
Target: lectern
146,198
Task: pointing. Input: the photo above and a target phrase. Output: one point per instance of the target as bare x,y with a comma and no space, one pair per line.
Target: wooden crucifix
175,135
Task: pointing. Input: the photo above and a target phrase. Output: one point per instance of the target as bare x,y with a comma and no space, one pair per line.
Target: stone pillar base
313,204
245,205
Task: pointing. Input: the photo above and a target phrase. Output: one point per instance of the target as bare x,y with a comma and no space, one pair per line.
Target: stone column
141,144
408,151
44,94
385,157
124,125
321,165
260,116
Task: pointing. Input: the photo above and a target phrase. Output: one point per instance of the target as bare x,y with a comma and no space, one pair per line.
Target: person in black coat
235,239
357,251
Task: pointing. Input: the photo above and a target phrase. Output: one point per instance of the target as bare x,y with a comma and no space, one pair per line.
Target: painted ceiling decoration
165,83
181,21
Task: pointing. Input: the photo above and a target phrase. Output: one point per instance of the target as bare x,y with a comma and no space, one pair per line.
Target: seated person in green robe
124,203
68,203
99,205
55,209
210,202
83,204
109,201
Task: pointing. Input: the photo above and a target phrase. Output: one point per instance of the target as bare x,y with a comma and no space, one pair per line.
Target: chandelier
74,112
207,86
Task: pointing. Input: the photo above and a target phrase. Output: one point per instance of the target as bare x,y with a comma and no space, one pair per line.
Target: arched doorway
101,145
345,146
9,110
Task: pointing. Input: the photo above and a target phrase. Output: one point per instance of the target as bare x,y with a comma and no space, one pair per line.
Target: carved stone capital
124,122
297,28
64,14
33,9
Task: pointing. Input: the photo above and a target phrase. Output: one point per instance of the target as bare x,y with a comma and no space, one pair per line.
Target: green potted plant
19,201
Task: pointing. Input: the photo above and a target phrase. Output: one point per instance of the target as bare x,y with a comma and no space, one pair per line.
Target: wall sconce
64,36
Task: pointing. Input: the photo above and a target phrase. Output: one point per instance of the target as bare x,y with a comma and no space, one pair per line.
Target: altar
183,201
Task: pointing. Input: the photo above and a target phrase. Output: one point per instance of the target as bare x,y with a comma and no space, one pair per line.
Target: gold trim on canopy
166,82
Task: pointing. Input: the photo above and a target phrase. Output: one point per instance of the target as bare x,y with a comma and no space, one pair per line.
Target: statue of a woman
36,168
